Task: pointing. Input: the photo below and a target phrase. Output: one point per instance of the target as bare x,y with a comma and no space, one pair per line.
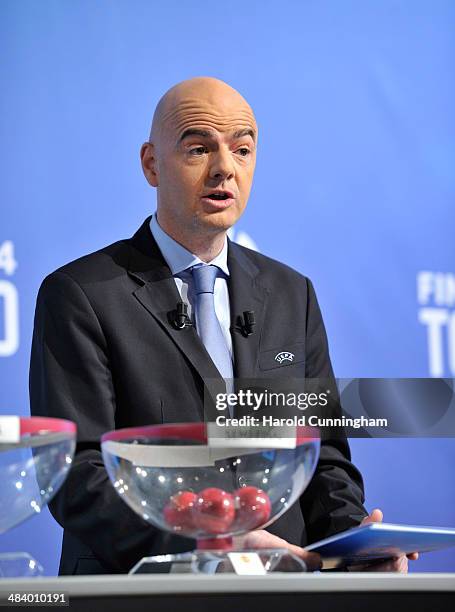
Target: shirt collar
177,257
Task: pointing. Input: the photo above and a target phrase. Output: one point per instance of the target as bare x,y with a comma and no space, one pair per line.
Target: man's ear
148,161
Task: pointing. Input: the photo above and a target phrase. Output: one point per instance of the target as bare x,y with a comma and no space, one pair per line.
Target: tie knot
204,278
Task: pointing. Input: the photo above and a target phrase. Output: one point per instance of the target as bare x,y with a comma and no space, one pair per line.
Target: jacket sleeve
333,501
70,378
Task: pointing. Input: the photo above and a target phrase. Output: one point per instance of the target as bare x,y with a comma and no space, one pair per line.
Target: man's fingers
375,516
260,539
263,539
312,560
394,565
399,564
413,556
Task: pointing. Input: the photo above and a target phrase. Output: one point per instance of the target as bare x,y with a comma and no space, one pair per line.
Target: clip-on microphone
247,323
179,318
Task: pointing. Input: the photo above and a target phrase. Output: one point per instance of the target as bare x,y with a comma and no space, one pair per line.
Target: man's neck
205,245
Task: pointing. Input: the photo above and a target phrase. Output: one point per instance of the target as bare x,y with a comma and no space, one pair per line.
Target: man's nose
222,166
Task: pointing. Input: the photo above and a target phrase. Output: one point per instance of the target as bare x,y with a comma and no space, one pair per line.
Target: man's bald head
186,100
201,158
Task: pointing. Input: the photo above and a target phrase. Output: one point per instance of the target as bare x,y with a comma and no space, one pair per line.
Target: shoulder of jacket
271,268
106,263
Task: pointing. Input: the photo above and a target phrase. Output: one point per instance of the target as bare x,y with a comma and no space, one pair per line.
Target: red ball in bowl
253,507
179,513
214,510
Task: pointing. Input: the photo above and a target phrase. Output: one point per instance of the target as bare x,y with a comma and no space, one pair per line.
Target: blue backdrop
354,184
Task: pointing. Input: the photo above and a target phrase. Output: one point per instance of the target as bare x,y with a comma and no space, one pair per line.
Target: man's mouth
219,195
218,199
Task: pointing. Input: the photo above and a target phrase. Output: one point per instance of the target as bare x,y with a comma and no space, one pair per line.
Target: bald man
107,352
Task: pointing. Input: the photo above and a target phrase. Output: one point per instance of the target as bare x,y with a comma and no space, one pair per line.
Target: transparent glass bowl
189,480
35,456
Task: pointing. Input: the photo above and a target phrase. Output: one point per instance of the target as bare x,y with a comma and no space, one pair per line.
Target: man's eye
244,151
198,151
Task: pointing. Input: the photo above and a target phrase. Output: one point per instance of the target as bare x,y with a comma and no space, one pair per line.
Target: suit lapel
245,293
159,295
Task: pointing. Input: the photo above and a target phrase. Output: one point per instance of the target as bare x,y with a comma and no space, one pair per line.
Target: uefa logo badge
284,356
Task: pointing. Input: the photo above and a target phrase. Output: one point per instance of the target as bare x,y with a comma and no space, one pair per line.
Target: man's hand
397,564
263,539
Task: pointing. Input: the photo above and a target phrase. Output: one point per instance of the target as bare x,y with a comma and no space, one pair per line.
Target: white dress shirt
179,260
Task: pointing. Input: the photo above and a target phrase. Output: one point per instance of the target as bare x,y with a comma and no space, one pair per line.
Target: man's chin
220,220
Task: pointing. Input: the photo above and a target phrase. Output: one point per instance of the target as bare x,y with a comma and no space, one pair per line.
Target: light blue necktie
207,324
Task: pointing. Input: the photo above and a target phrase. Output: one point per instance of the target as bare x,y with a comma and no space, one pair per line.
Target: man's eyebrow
196,132
210,134
246,132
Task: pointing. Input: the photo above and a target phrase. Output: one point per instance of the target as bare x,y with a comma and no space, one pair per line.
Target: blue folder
376,541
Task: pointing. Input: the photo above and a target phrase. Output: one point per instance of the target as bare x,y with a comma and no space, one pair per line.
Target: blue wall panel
354,184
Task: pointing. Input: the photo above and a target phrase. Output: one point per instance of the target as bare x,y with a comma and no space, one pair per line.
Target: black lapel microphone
179,318
247,322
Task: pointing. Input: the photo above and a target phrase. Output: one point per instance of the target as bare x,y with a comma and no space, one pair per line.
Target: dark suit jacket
105,356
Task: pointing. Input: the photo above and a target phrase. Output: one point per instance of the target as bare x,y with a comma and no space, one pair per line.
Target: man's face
203,162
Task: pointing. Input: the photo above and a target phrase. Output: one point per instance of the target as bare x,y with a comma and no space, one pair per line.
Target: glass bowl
190,480
35,456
